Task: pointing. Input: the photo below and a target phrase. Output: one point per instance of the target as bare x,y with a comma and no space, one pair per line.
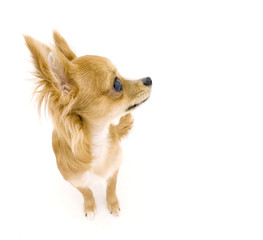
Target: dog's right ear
52,68
63,47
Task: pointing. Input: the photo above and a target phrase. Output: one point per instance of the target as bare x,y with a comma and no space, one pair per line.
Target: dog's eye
117,85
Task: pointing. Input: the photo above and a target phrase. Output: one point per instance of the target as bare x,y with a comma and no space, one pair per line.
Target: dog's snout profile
147,81
85,96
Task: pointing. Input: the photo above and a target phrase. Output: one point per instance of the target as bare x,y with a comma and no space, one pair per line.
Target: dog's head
89,86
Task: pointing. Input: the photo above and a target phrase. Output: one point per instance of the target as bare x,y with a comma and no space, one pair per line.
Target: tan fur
78,93
112,200
89,201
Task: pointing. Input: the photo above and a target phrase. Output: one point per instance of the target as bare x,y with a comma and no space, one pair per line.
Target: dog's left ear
52,68
63,46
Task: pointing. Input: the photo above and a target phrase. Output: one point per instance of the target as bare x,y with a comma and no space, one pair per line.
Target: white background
192,165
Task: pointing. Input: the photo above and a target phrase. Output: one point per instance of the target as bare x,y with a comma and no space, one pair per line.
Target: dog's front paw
125,125
89,210
90,215
113,206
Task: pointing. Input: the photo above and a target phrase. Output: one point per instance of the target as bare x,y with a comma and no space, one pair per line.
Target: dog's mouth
136,105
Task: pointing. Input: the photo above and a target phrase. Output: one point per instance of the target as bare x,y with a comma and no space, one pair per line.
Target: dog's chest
106,160
99,149
106,156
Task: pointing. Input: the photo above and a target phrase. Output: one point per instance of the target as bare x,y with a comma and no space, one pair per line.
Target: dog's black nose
147,81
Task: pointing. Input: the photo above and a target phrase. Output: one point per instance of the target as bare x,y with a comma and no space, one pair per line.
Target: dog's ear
61,67
51,67
63,47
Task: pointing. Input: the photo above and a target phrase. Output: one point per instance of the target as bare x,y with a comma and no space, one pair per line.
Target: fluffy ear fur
39,53
63,47
51,67
56,89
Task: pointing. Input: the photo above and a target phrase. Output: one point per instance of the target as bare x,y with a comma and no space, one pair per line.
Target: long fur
79,95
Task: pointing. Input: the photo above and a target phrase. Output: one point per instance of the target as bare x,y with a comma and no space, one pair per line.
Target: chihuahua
84,96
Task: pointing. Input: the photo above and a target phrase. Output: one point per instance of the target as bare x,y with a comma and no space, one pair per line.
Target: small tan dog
84,95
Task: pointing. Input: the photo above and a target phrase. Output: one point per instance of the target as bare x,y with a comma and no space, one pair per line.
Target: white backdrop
192,165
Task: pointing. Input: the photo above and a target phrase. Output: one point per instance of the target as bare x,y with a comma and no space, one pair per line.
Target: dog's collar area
136,105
